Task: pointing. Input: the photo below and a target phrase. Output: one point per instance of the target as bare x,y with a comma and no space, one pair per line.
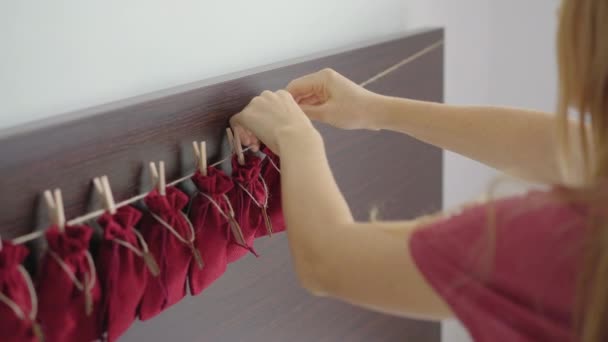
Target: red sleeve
513,280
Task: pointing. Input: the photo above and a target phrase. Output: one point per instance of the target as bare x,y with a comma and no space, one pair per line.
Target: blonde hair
583,135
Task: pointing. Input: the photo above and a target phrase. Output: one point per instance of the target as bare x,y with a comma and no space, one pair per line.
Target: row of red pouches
145,260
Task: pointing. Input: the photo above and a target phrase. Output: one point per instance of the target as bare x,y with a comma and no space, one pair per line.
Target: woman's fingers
243,138
241,132
247,137
316,112
236,120
311,100
308,86
240,124
265,115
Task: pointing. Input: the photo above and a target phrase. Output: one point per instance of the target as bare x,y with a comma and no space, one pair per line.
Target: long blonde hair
583,136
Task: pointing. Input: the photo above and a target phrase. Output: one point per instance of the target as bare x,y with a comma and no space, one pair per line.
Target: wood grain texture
258,299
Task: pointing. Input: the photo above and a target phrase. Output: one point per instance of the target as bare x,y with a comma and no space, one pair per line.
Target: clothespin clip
158,177
235,144
103,188
200,155
54,201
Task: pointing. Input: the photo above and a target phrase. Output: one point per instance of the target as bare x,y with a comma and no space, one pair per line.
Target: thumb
246,136
316,112
236,120
306,86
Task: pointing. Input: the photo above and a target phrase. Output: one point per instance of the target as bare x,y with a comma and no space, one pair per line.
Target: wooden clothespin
235,144
54,201
103,188
200,155
158,177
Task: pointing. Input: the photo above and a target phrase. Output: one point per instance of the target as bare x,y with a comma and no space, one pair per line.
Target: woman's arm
366,264
519,142
516,141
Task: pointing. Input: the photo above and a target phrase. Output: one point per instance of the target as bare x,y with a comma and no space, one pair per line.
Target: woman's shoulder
507,266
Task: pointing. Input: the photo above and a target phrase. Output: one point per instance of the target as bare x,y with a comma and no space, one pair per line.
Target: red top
513,282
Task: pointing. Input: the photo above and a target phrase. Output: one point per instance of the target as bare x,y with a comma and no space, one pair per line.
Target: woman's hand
268,117
329,97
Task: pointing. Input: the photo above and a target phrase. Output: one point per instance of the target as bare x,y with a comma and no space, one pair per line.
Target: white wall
63,55
522,54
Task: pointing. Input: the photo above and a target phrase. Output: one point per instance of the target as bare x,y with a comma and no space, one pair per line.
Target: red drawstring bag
271,173
125,264
170,237
249,197
18,302
68,291
212,215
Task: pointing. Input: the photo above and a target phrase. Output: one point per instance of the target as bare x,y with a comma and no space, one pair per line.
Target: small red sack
212,215
17,297
125,265
68,290
170,238
248,197
271,173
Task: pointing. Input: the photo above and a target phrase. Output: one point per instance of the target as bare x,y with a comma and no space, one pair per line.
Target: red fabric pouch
170,237
212,215
248,197
17,297
124,265
271,173
68,290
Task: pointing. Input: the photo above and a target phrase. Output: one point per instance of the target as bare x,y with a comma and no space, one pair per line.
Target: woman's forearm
519,142
312,202
365,264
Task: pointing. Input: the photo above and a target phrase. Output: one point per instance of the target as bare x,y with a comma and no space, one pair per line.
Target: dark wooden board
258,299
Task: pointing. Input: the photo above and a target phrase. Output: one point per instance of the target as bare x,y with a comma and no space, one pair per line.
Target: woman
526,268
